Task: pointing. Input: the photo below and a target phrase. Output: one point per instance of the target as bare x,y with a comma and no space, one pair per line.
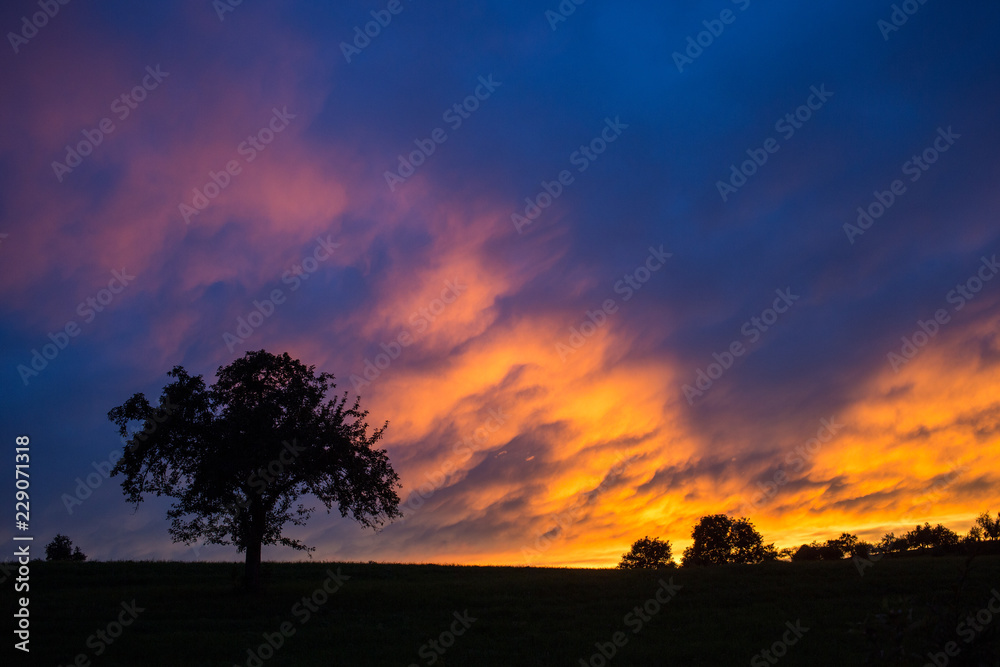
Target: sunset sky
618,279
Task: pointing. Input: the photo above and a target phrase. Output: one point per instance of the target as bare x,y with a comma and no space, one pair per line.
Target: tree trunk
252,574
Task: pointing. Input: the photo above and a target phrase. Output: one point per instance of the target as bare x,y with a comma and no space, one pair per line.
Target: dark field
384,614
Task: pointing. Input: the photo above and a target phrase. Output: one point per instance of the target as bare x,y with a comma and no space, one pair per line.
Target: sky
605,268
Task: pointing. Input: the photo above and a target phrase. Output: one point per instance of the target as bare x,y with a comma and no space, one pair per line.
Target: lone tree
990,527
61,548
647,554
238,455
720,539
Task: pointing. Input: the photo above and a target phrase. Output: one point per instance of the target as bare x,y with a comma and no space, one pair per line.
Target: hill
821,613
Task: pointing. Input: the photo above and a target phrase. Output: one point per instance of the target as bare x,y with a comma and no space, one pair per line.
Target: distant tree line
720,539
938,538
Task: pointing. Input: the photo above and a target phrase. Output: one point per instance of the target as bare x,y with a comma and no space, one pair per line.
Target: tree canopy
988,528
61,548
720,539
845,545
238,455
647,553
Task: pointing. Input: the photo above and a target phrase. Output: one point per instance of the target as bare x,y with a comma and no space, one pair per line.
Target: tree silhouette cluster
985,528
720,539
921,538
61,548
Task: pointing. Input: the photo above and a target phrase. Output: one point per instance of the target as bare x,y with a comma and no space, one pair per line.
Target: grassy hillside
386,614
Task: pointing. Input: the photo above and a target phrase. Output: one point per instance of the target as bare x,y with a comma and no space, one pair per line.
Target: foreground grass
383,614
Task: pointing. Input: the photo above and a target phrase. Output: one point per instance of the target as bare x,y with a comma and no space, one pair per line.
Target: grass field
383,614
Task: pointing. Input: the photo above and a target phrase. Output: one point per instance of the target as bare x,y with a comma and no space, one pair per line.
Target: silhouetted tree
647,554
847,543
61,548
863,549
918,538
944,537
806,552
925,537
836,549
238,455
990,527
721,539
829,550
890,544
